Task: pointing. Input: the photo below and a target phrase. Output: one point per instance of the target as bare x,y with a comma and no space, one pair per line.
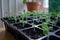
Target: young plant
7,17
55,16
58,15
47,18
33,19
20,21
24,1
14,17
33,26
45,30
35,14
39,14
29,13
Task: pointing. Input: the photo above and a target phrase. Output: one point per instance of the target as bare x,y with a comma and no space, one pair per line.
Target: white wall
5,7
1,24
20,6
12,7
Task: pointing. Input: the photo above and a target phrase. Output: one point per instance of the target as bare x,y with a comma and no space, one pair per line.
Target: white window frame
45,3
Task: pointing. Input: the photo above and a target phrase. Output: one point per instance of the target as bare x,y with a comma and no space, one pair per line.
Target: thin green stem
48,36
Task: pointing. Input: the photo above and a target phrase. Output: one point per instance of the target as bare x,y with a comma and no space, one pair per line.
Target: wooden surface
4,35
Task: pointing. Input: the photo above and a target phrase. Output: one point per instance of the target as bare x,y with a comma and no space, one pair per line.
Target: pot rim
34,2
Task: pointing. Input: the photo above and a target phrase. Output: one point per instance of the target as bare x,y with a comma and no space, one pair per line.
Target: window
45,4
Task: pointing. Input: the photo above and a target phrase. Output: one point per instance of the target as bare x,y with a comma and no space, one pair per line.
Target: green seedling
29,13
45,28
32,25
14,17
7,17
55,15
50,28
24,1
47,19
34,13
20,21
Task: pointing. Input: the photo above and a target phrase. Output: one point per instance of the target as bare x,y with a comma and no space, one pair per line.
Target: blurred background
12,7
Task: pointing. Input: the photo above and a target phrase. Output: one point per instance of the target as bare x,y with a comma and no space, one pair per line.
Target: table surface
4,35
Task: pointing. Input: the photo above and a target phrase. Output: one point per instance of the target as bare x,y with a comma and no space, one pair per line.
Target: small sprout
28,13
25,15
24,1
7,17
33,26
45,32
45,28
14,17
50,28
34,29
20,21
47,20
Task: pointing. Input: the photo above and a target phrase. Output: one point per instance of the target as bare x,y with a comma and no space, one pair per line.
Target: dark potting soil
5,18
21,25
58,23
54,27
27,19
34,34
31,14
36,22
58,33
30,21
52,18
13,20
52,38
43,20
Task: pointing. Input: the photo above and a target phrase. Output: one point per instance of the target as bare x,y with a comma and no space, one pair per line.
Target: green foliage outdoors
54,5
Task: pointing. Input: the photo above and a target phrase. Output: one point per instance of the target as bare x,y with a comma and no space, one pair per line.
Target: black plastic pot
36,22
17,35
58,33
27,18
22,25
58,23
49,25
52,38
25,31
34,33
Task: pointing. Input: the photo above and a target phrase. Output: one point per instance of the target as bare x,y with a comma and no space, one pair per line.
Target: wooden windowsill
4,35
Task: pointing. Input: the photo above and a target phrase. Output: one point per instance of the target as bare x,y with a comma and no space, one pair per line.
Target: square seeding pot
25,31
